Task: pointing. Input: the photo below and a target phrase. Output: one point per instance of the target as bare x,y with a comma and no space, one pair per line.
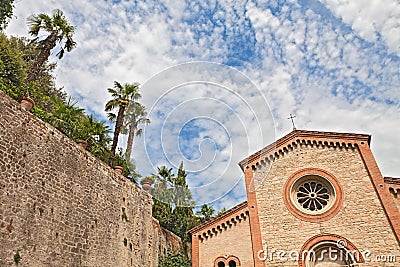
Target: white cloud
331,76
371,19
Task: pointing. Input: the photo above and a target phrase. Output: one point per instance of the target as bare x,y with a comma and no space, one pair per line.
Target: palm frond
111,117
139,132
117,85
112,104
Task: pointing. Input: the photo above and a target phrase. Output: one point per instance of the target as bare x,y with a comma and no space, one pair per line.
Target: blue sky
334,64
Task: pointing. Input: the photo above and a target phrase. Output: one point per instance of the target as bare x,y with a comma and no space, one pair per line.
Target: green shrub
174,259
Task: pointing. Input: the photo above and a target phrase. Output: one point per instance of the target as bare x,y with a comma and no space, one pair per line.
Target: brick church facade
313,199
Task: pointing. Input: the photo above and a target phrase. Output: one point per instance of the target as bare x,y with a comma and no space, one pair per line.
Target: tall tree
12,71
205,213
59,30
6,11
122,96
135,115
173,204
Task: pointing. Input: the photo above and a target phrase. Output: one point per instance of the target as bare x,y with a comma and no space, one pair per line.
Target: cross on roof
291,118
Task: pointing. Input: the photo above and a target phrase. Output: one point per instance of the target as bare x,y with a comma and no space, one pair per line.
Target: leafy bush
174,259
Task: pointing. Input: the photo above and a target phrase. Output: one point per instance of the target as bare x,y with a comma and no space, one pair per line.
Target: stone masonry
60,206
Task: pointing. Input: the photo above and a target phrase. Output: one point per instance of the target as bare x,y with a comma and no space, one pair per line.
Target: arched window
227,261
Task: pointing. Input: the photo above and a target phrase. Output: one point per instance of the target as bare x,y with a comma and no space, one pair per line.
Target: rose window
312,194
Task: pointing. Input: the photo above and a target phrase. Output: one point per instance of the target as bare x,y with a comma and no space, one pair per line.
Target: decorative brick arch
226,260
317,172
342,243
219,259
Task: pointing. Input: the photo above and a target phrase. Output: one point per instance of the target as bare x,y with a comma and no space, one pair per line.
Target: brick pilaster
195,251
256,238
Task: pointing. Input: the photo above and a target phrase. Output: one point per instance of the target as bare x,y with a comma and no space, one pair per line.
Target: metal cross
291,118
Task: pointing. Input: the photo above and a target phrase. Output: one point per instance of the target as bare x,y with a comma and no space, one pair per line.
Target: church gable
312,183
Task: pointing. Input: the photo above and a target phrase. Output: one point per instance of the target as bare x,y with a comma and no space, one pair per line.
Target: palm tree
135,115
66,116
59,31
96,133
122,97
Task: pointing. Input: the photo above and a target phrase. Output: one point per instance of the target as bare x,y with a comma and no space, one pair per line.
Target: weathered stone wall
164,241
60,206
361,218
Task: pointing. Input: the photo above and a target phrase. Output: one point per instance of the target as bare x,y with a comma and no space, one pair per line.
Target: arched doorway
327,254
329,250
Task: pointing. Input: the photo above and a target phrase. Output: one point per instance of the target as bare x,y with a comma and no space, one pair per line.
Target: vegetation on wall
21,58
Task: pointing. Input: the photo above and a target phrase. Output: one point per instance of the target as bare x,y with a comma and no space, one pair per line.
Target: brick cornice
393,185
392,180
228,215
291,140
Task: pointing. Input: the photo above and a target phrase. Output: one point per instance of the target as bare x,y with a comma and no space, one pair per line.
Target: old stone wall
164,241
60,206
361,218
